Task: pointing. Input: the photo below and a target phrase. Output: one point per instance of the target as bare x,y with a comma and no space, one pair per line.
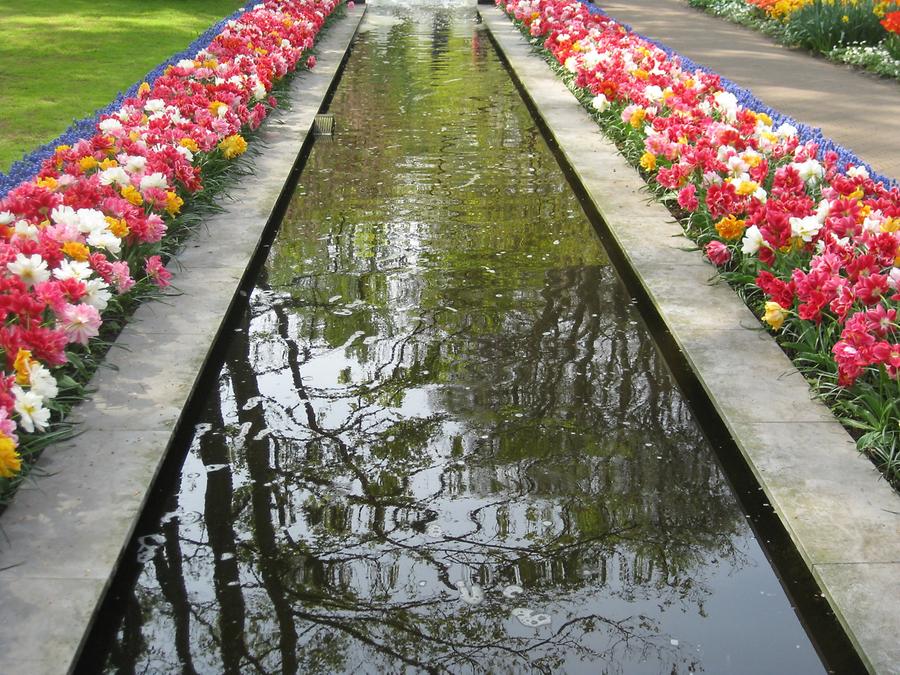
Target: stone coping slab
66,531
841,514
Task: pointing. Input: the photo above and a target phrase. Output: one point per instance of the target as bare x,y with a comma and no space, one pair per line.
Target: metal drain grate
324,125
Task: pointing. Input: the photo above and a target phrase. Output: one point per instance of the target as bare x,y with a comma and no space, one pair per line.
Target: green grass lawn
62,59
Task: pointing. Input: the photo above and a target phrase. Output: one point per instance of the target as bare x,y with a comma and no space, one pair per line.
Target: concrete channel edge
64,535
843,518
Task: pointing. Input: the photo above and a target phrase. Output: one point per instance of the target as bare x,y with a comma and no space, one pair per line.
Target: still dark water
443,439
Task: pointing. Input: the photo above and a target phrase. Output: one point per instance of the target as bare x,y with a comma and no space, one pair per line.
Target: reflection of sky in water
443,438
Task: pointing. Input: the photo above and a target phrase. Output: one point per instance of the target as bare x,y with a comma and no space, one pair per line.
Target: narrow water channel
443,439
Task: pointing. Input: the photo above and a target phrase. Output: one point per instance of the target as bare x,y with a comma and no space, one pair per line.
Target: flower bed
863,33
84,235
801,228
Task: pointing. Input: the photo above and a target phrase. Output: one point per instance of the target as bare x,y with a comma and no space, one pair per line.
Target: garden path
859,111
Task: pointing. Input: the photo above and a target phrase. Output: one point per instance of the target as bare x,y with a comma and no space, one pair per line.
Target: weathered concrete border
843,518
64,534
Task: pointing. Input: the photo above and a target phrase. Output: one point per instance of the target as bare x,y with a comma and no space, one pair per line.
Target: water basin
443,439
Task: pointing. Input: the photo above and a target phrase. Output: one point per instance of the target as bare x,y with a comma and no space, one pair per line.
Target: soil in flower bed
62,59
443,439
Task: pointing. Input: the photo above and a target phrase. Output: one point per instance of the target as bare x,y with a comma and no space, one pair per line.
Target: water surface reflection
443,440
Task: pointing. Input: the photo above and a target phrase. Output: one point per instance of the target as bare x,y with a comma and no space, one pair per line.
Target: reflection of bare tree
270,568
311,579
218,516
123,654
170,577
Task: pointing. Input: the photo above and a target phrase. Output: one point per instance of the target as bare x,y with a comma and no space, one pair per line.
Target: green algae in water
444,441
